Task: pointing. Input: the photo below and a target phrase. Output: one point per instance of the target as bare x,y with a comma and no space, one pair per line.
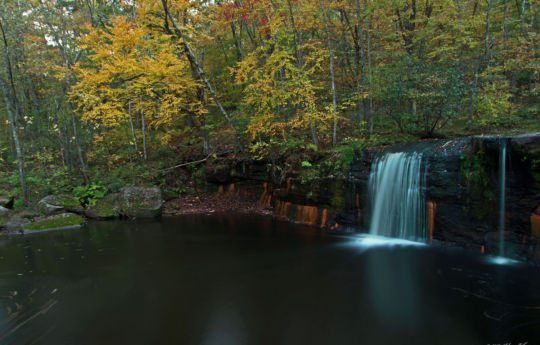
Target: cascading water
398,208
502,187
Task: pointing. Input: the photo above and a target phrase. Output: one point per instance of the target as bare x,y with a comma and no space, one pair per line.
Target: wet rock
141,202
106,208
56,222
6,201
528,143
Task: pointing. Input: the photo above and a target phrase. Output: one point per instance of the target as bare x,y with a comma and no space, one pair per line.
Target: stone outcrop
462,192
3,211
50,205
106,208
6,201
54,204
140,202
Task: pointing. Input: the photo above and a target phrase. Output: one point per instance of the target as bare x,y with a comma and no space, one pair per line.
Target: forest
99,94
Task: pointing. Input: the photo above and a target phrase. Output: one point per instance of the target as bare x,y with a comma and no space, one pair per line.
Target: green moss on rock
64,220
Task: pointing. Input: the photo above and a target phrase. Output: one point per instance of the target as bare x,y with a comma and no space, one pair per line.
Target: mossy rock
4,216
57,222
50,205
141,202
106,208
71,204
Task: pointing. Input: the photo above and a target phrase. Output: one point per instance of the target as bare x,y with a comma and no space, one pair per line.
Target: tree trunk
297,40
78,145
143,128
134,137
370,75
334,103
479,65
193,60
13,128
362,66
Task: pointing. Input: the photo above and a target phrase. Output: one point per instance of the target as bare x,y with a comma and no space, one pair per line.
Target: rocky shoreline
461,193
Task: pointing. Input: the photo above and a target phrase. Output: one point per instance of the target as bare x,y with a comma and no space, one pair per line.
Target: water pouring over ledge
398,208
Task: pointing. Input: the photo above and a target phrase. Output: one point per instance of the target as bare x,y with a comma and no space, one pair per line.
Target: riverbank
459,192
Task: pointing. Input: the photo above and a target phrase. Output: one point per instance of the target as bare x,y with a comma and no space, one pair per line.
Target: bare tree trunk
362,66
206,137
78,145
134,137
334,103
370,74
11,118
236,42
11,106
143,128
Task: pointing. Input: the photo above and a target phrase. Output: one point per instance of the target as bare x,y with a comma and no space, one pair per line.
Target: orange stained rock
535,225
264,196
231,188
307,214
323,219
483,249
282,208
431,219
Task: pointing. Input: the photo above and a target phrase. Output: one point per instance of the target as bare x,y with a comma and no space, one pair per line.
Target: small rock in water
54,291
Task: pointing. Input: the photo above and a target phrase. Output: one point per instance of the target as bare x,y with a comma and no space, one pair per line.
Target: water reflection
243,280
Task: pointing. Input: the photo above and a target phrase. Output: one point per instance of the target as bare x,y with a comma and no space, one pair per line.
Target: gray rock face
50,205
3,211
6,201
141,202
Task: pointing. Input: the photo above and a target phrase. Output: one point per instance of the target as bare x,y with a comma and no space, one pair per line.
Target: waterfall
398,208
502,187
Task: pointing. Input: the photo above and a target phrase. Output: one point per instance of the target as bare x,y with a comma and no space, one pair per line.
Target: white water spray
502,187
398,208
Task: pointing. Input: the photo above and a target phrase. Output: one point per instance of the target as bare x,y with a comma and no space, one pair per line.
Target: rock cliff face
462,193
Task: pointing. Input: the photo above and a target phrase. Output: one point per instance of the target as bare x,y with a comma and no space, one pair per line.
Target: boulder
71,204
56,222
141,202
106,208
4,216
54,204
6,201
3,211
14,223
50,205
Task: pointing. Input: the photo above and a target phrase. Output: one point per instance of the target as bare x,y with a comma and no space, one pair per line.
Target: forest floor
210,202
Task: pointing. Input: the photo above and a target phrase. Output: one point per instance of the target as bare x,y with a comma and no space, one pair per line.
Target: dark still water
248,280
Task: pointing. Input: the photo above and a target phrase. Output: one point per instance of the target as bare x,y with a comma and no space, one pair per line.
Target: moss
56,222
107,210
69,201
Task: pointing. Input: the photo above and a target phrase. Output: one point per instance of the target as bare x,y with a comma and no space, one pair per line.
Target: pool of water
229,279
